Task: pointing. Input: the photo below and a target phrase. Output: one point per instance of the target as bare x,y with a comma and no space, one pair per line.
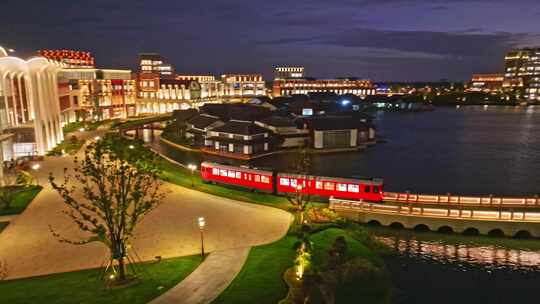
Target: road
29,248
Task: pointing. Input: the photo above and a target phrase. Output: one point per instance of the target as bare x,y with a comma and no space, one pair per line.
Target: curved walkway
209,280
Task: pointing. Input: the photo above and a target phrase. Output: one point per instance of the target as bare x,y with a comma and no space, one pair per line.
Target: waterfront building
29,109
155,63
281,73
243,85
522,73
96,93
237,137
486,83
287,87
70,58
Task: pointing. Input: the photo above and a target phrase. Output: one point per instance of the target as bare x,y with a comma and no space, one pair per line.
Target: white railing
487,201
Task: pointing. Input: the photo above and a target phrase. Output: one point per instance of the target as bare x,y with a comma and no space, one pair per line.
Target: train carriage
323,186
238,176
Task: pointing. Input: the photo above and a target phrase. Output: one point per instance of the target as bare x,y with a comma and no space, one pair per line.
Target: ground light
202,223
97,138
81,129
131,147
36,167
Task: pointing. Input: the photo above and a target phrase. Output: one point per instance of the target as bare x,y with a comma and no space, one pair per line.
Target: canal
471,150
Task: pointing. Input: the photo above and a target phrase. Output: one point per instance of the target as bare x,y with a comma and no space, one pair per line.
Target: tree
116,195
8,192
24,178
301,199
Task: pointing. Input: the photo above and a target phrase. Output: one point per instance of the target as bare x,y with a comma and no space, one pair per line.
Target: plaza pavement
29,249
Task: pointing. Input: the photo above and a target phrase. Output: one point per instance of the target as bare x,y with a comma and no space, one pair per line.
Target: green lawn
260,280
85,287
21,200
3,225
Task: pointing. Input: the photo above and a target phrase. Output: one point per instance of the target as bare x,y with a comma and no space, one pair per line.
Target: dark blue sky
378,39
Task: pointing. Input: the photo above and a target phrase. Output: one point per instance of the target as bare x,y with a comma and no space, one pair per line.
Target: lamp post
36,167
192,168
202,223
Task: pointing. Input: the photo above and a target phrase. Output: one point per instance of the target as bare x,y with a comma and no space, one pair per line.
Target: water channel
470,150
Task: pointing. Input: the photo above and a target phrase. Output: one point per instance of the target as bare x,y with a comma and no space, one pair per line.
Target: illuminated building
211,88
339,86
29,110
72,59
163,95
155,63
487,82
96,93
522,73
288,72
243,85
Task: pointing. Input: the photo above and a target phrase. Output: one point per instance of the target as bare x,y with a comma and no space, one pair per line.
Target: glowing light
345,102
81,129
131,147
97,138
36,167
202,222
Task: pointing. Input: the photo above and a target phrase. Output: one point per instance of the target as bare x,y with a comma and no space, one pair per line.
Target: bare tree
116,195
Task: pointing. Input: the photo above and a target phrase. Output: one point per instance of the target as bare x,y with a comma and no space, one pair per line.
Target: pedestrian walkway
209,280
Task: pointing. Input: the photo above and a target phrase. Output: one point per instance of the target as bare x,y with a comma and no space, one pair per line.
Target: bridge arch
471,231
373,223
523,234
445,229
397,225
496,232
421,227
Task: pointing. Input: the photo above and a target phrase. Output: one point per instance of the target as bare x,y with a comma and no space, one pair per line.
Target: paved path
29,248
209,280
7,218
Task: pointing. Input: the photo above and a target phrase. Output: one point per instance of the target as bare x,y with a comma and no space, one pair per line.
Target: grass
69,146
3,225
260,280
21,200
183,177
85,287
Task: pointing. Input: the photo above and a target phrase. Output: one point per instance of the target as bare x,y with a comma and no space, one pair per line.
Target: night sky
384,40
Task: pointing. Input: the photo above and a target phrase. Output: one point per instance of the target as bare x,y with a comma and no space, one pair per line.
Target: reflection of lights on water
481,255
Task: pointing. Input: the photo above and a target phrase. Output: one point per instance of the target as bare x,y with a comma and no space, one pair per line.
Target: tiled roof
202,121
241,128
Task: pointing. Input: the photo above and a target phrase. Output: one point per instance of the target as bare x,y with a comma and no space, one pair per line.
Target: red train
286,183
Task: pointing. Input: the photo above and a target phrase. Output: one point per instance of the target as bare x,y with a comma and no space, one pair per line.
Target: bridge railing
487,201
439,212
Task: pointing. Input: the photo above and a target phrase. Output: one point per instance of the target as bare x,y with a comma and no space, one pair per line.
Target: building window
284,181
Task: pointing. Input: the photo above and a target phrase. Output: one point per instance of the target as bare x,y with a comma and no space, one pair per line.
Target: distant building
487,82
96,93
238,137
211,88
522,73
289,87
243,85
70,58
155,63
281,73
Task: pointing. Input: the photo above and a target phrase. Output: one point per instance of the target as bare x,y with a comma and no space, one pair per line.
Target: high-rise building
155,63
281,73
522,73
70,58
486,82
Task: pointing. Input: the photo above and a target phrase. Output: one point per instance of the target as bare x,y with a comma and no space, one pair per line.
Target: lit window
238,175
215,171
265,179
341,187
284,181
354,188
223,172
232,174
293,182
257,178
318,185
328,186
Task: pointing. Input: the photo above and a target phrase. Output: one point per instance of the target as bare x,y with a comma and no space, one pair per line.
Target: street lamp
192,168
36,167
202,223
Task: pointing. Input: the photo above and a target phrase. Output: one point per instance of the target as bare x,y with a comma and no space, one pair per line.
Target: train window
353,188
223,172
215,171
232,174
257,178
265,179
341,187
293,182
318,185
284,181
328,186
239,175
367,188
